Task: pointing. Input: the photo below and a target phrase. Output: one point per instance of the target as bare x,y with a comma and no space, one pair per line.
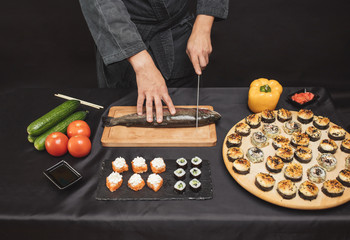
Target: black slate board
166,192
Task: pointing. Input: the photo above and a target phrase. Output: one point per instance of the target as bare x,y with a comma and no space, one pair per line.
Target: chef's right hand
151,86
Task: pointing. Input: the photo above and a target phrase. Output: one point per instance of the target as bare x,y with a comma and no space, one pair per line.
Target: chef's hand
151,86
199,44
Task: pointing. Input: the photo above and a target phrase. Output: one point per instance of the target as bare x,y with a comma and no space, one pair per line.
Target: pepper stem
265,88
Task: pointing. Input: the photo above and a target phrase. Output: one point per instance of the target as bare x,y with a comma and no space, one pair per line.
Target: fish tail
109,121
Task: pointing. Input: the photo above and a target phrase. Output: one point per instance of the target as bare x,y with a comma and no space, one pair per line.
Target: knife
199,79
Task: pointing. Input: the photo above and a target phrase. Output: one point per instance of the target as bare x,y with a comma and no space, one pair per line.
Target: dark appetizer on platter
308,191
264,181
294,172
303,154
280,141
344,177
243,129
234,140
234,153
286,153
305,116
327,146
287,189
313,133
274,164
321,123
241,166
268,116
333,188
336,133
253,120
284,115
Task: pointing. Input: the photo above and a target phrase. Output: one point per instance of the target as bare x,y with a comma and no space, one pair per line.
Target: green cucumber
53,117
39,142
31,138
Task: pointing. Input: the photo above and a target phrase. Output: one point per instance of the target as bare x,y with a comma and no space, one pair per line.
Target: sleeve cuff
218,13
126,53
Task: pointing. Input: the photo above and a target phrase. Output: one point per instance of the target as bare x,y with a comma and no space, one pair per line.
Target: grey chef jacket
122,28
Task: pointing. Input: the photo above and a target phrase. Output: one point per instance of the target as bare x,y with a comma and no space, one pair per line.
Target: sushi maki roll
268,116
313,133
139,165
303,154
253,120
344,177
287,189
136,182
158,165
195,172
300,139
114,181
347,162
270,130
308,191
154,182
305,116
181,163
284,115
241,166
264,181
180,186
274,164
234,153
327,146
345,145
119,165
180,174
234,140
195,185
294,172
280,141
258,139
316,174
242,129
255,155
336,133
196,162
333,188
291,127
327,161
321,122
286,153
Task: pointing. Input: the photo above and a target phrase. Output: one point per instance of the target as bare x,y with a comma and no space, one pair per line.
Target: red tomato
78,127
79,146
56,144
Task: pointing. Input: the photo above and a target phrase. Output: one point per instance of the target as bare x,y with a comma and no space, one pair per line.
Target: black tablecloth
31,207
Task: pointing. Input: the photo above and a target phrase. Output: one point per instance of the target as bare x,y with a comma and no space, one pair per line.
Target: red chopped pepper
303,97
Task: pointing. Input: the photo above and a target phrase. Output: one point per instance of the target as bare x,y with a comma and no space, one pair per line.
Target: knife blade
199,79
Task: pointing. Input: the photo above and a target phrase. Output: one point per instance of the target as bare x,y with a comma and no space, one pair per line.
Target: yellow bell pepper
264,94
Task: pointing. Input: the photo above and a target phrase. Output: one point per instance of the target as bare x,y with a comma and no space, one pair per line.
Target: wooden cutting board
121,136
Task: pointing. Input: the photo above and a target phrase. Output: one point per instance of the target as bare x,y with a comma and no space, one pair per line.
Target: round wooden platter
247,181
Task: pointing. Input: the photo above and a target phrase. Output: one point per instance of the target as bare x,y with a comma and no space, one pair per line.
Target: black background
299,43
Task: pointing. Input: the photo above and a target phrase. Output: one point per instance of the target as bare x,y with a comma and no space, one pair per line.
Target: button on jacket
122,28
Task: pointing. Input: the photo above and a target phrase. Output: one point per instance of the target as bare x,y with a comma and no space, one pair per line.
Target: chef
151,44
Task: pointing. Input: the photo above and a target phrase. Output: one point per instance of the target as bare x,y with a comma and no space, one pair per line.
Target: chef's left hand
199,44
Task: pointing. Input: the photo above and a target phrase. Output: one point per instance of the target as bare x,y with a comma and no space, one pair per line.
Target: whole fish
184,117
